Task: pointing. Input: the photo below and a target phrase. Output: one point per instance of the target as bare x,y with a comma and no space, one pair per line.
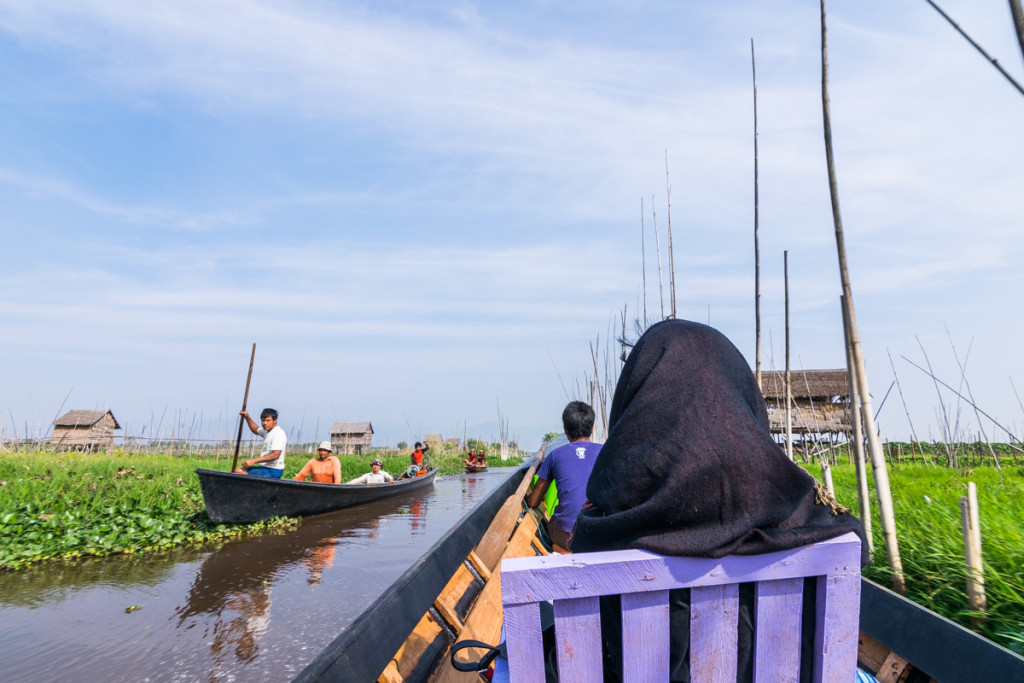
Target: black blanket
689,467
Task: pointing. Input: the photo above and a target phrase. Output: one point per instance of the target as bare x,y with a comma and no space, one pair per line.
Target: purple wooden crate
574,582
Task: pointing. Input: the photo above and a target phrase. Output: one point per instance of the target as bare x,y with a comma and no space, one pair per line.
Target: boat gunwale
363,650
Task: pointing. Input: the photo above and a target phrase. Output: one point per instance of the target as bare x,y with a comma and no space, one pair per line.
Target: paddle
245,401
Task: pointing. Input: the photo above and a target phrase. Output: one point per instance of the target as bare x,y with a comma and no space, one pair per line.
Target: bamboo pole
826,476
863,495
757,253
994,62
885,508
1018,23
969,520
671,252
245,402
643,261
789,389
657,244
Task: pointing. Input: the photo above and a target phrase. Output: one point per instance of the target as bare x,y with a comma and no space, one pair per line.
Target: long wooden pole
245,402
757,254
885,508
671,251
1018,22
857,436
789,389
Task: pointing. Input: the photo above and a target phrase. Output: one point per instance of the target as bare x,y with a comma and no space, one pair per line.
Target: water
255,609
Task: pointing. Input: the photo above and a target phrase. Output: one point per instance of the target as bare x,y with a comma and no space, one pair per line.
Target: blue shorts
261,471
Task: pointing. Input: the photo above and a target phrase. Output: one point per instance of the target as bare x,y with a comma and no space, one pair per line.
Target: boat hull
472,469
234,498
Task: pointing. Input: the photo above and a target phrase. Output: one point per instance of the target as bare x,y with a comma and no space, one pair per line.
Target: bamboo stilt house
351,437
821,401
86,430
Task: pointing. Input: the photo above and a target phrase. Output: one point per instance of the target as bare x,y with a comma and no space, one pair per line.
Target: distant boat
233,497
476,468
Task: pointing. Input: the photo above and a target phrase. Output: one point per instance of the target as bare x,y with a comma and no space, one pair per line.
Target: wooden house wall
353,442
808,418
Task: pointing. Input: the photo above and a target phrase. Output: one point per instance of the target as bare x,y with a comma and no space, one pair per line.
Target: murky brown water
255,609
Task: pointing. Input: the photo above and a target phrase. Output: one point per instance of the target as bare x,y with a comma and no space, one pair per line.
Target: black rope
970,40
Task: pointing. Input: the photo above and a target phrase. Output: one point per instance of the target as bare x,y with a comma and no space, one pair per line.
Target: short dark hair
418,444
268,412
578,420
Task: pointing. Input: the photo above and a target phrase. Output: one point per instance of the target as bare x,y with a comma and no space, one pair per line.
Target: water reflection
258,608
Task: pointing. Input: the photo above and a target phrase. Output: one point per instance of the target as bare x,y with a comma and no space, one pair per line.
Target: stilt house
821,401
351,437
84,430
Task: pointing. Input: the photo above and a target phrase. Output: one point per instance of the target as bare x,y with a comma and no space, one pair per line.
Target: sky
426,214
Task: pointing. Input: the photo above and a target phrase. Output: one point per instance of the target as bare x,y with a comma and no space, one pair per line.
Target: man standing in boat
569,466
270,462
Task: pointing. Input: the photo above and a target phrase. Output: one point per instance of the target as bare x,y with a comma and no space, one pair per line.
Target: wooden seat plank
645,635
576,622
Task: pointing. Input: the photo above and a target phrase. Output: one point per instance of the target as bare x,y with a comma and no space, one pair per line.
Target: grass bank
64,506
926,503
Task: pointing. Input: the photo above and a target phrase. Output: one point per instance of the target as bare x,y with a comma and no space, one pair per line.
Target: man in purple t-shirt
569,466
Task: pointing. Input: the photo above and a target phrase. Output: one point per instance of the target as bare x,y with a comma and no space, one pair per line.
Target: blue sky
423,211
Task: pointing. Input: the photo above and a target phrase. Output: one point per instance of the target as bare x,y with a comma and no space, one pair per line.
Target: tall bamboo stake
757,254
874,444
969,520
1018,23
863,495
643,259
789,390
245,402
657,243
671,255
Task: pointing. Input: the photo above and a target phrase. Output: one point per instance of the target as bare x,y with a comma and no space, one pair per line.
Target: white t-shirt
274,440
381,477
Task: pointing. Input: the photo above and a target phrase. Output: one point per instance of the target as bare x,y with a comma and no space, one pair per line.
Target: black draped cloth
689,467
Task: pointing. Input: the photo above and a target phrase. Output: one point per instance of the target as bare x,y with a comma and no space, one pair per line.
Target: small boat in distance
476,468
233,497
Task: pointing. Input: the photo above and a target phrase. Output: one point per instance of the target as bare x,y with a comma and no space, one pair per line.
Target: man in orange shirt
325,468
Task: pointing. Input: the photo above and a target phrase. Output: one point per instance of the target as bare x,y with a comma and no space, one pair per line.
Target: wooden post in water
969,520
874,444
863,495
789,393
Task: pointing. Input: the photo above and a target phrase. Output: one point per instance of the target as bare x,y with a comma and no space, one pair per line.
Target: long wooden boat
233,497
453,593
473,469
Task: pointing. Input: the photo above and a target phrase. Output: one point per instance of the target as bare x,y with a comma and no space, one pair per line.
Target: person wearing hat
377,476
325,468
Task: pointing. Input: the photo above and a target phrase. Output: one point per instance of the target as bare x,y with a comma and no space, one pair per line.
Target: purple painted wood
777,639
575,581
714,618
645,638
627,571
523,641
835,636
578,639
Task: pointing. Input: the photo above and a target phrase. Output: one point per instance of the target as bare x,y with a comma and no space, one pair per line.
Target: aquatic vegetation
926,502
71,505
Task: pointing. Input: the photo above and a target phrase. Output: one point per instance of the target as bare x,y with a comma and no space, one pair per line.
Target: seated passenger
472,459
377,476
325,468
569,467
690,469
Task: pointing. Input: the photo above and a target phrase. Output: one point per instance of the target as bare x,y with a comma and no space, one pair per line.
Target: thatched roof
817,385
351,428
83,418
